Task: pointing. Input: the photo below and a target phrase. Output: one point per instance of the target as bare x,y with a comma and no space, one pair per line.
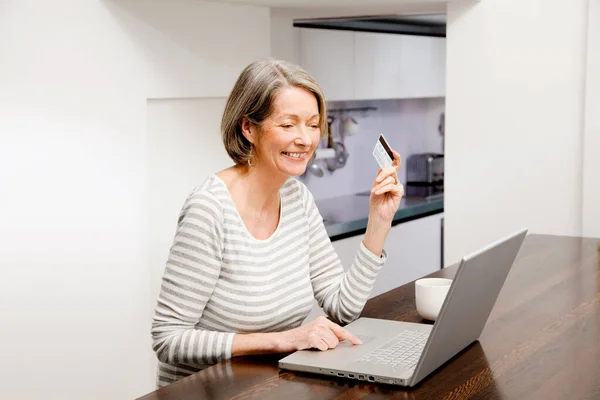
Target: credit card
383,153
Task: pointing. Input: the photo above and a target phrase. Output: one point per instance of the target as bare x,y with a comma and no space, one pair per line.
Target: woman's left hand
386,192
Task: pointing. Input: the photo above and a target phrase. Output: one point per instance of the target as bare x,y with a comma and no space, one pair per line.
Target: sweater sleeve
341,294
191,273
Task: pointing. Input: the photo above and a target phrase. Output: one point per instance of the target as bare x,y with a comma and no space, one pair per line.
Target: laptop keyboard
402,351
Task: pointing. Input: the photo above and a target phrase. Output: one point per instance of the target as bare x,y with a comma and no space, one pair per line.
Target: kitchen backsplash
409,125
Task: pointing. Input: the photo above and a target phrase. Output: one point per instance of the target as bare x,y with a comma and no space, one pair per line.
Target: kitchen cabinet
389,66
364,65
328,56
414,250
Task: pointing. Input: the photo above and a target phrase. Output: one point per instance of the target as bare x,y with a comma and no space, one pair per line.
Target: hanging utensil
315,169
341,155
330,120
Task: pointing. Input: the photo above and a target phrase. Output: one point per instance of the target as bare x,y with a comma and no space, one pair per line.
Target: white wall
514,126
76,271
591,161
285,39
184,148
409,125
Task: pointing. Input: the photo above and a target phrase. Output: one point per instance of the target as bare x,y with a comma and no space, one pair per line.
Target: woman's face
291,133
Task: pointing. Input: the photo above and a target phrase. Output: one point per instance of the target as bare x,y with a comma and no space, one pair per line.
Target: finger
391,187
386,181
329,338
397,160
385,173
315,341
342,334
322,345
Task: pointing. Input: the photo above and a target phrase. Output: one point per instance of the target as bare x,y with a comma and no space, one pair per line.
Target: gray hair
252,97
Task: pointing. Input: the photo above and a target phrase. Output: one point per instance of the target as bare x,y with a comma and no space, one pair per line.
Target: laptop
404,353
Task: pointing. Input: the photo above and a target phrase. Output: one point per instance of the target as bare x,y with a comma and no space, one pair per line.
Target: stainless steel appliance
425,175
425,168
427,192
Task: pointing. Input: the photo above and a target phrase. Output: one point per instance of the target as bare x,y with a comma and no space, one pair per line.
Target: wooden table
542,341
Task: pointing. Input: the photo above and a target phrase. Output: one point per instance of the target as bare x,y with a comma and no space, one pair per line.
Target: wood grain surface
542,341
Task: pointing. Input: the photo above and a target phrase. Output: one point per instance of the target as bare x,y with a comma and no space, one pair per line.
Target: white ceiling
308,9
330,3
326,3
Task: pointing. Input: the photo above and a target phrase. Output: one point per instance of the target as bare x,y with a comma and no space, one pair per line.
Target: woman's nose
303,137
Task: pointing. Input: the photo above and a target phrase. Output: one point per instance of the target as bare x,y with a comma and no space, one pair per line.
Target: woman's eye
286,126
315,126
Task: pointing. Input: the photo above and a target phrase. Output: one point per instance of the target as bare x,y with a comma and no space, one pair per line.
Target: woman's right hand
321,334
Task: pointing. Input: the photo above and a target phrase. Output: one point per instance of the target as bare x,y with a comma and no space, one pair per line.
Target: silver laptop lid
469,302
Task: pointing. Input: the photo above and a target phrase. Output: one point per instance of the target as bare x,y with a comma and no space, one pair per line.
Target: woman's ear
248,130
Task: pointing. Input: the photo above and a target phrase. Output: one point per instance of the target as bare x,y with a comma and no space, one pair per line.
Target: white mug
430,294
350,126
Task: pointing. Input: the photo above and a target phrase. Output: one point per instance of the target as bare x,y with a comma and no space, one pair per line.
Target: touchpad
365,339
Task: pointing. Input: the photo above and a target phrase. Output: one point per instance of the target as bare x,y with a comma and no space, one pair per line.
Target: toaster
425,168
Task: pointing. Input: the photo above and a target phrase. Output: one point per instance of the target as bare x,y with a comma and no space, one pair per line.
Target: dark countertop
347,216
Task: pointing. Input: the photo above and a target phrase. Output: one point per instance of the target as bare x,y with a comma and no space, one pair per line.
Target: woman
251,251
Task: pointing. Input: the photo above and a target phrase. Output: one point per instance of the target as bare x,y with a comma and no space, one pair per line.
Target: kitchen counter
347,216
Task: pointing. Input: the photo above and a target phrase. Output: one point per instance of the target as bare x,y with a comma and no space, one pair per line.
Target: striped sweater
219,280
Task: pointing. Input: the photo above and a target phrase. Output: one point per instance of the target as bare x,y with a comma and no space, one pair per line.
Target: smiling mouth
297,156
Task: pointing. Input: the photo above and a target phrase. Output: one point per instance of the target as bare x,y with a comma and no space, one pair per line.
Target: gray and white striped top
219,280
